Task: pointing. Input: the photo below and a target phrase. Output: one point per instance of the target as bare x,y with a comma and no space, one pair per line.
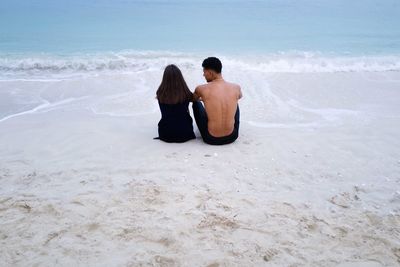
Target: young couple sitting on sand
217,120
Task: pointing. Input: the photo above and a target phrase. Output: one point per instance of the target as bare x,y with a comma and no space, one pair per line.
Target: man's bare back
219,118
220,101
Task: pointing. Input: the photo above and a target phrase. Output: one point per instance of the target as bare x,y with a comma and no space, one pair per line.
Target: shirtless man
218,119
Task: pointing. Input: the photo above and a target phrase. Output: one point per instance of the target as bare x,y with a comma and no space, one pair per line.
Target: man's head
212,68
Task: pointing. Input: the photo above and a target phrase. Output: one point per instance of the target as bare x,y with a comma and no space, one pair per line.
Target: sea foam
44,65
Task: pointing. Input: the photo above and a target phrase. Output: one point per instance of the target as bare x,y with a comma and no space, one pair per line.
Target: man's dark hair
212,63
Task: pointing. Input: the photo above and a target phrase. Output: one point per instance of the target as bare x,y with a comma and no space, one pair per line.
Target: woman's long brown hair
173,88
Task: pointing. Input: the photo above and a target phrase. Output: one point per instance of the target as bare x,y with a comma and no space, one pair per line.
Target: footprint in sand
93,226
152,196
396,252
53,235
164,261
25,207
344,200
269,254
213,220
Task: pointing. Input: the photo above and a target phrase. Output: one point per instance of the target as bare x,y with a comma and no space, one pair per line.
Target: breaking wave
133,61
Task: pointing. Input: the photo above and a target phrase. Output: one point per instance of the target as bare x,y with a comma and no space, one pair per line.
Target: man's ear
212,74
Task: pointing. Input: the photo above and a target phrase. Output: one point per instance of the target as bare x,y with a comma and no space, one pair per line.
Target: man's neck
218,78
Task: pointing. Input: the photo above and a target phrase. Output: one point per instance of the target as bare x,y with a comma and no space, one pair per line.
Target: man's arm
197,94
240,93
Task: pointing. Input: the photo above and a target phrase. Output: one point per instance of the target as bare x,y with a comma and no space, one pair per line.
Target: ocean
284,35
346,27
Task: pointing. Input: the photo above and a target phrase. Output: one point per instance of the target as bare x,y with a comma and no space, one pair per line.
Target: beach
313,180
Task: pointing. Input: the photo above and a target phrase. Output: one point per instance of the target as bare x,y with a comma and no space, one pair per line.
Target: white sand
313,180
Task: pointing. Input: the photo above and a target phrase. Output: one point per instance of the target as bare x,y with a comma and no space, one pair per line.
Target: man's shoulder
235,89
202,87
233,85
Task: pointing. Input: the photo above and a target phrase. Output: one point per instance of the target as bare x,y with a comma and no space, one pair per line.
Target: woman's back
174,96
176,124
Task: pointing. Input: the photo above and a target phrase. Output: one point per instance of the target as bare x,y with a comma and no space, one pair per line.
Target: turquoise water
47,37
358,27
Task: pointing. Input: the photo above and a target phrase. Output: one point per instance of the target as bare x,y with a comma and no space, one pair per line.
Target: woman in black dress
173,95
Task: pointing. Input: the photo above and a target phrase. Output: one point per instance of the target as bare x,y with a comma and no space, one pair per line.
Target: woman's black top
176,124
